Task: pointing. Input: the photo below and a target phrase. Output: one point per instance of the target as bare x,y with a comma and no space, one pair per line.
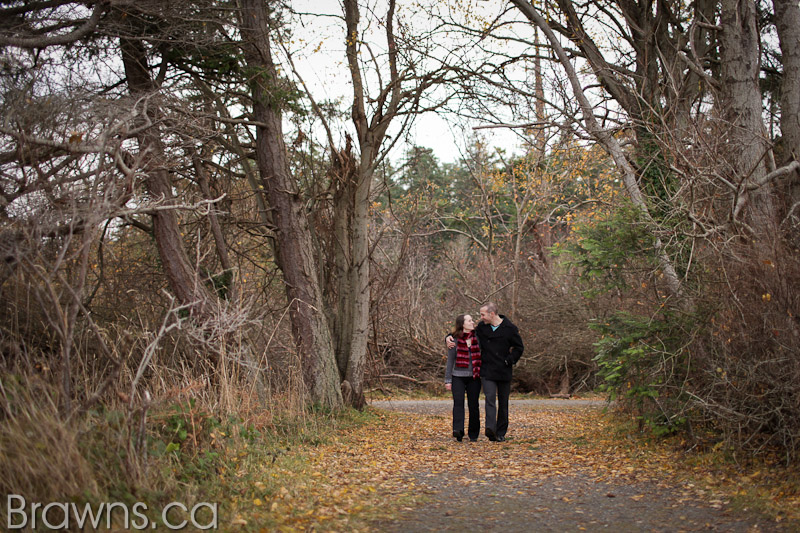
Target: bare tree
404,79
182,275
609,142
87,156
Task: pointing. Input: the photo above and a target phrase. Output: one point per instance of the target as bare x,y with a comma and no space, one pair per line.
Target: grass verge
250,471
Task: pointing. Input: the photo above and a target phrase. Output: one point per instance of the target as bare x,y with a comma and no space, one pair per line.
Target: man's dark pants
472,387
496,394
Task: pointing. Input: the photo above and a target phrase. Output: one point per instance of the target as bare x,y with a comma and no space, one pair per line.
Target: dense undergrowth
716,362
182,453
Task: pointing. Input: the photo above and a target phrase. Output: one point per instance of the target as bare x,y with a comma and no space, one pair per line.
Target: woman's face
469,324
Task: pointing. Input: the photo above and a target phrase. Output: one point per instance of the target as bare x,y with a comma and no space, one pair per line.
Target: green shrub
642,364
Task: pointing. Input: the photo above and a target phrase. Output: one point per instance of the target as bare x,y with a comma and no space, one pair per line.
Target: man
501,348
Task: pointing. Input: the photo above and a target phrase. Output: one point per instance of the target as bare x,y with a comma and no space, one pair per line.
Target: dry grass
40,454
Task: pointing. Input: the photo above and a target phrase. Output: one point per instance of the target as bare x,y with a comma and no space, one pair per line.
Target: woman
462,374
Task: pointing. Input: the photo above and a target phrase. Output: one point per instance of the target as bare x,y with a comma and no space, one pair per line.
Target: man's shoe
501,439
473,440
459,435
491,435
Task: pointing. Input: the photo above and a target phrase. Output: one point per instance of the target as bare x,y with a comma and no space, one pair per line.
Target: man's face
486,316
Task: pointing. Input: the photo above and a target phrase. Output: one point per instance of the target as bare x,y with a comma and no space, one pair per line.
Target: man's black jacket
500,349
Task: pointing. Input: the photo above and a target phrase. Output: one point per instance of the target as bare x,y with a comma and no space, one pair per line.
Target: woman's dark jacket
500,349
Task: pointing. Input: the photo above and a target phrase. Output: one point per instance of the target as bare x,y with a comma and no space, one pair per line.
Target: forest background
192,223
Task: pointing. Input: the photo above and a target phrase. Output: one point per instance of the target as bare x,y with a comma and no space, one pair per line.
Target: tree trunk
181,275
343,173
351,263
563,389
359,285
740,104
787,22
309,325
516,269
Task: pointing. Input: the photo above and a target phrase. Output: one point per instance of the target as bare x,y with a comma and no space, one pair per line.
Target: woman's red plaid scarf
464,353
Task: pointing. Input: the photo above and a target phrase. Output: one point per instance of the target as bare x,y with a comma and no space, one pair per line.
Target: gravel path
443,407
570,503
460,500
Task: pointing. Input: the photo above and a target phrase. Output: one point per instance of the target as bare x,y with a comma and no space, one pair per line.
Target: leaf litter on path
561,469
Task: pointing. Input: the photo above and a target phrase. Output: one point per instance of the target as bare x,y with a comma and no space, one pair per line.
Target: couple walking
482,353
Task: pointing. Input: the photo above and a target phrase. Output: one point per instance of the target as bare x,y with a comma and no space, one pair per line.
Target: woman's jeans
472,387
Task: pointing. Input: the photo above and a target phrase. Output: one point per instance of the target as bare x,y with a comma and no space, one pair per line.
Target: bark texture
787,22
295,258
740,104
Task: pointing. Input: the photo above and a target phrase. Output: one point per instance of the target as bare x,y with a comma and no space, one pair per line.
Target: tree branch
512,126
43,42
608,141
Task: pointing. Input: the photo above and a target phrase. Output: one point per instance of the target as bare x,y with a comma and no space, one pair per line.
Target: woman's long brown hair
458,329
